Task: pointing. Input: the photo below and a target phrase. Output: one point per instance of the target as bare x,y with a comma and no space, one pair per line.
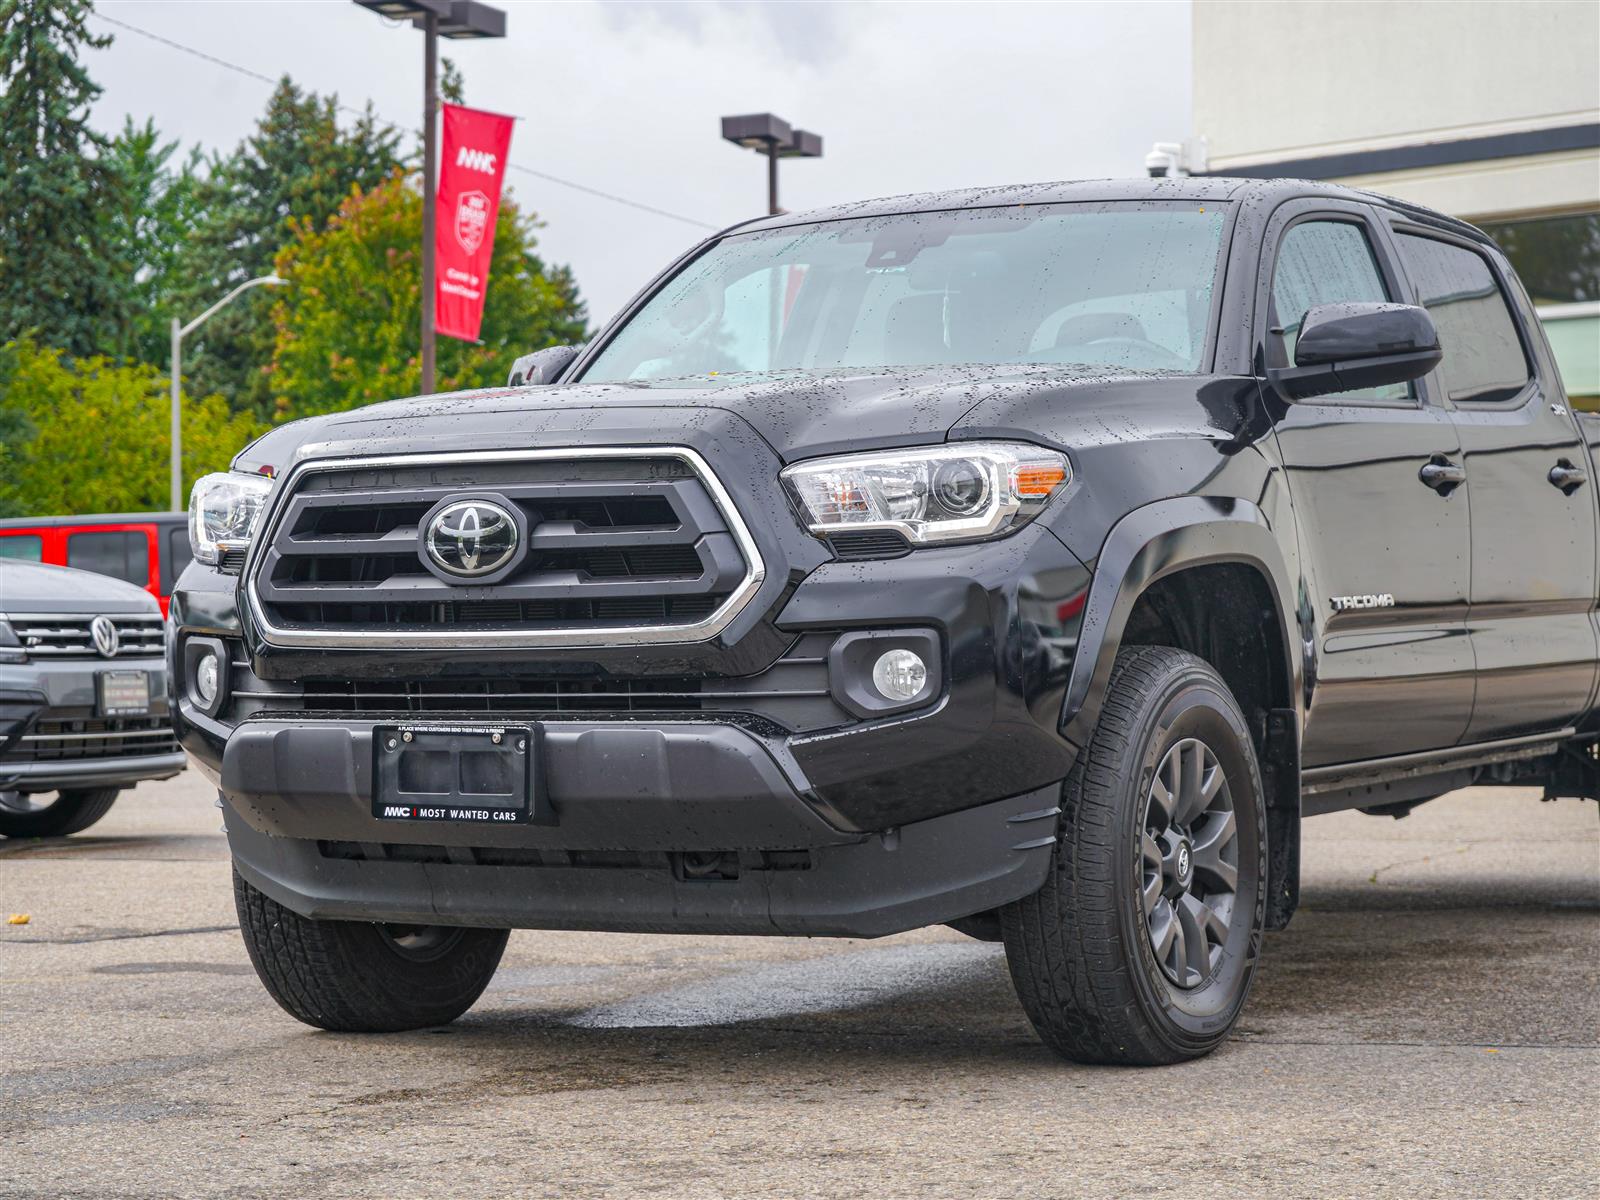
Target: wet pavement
1429,1026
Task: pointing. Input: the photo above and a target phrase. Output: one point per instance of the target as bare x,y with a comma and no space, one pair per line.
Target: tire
70,812
1083,950
360,977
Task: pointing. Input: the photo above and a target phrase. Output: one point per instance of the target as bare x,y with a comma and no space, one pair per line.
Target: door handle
1567,477
1442,475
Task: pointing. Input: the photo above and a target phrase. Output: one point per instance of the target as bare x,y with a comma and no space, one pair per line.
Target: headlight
963,491
224,508
11,650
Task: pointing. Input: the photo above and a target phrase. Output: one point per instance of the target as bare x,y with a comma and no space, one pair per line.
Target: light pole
179,332
456,19
772,137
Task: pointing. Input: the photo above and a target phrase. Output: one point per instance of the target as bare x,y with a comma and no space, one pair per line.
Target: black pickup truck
1030,560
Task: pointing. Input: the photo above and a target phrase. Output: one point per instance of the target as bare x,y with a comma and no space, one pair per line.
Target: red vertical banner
471,169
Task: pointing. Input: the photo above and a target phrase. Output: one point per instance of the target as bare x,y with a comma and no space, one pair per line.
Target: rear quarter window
1484,360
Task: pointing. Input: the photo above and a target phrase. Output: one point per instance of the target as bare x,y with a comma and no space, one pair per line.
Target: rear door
1533,579
1383,598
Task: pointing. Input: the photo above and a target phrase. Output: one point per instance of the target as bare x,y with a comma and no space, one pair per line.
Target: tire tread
320,973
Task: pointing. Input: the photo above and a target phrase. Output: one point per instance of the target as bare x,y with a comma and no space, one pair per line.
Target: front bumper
922,874
858,827
98,772
81,749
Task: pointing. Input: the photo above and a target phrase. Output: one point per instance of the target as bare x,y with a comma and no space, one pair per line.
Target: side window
27,546
1325,262
122,554
1483,356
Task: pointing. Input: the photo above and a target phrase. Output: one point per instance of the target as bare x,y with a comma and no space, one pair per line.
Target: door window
1325,262
1483,356
121,553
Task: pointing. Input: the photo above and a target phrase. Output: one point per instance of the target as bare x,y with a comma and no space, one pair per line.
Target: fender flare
1148,544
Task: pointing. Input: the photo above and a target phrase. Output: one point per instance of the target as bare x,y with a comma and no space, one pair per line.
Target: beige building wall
1485,109
1283,81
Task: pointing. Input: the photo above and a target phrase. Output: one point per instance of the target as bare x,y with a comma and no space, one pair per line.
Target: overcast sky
625,97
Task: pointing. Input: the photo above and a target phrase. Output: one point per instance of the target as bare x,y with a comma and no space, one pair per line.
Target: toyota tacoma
1030,560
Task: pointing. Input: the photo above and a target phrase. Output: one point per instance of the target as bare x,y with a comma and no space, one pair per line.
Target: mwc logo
476,160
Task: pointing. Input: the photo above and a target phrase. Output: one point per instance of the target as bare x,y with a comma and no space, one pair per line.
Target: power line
345,108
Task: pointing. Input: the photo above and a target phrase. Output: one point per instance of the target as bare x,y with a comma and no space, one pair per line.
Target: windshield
1096,285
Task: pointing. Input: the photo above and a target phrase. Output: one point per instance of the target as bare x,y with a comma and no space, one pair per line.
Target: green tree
293,172
98,434
347,326
155,214
56,274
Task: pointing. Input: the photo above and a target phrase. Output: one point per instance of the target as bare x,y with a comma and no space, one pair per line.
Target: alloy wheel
1188,862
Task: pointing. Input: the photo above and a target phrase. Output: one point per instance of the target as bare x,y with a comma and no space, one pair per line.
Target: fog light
899,675
205,678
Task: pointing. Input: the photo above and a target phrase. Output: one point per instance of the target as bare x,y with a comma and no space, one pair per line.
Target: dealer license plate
124,693
474,773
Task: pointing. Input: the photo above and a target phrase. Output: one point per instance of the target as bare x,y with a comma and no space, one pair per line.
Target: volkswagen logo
104,632
471,539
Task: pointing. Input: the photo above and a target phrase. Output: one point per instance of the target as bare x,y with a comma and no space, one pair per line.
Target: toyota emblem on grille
104,632
471,539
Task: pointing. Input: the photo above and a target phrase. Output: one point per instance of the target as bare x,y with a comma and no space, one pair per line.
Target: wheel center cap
1183,863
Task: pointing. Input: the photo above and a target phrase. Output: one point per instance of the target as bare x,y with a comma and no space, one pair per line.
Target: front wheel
32,815
362,977
1141,945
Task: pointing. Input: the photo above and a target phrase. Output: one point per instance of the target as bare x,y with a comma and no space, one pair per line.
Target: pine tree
298,166
56,275
147,230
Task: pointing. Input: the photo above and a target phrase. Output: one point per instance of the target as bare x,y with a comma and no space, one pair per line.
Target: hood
798,414
41,588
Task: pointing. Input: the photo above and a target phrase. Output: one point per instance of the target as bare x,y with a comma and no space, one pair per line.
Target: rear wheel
1142,944
363,977
35,814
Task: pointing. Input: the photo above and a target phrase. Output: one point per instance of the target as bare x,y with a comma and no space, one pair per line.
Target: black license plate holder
464,774
123,693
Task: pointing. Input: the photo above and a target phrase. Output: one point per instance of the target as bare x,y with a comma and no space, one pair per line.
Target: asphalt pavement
1428,1026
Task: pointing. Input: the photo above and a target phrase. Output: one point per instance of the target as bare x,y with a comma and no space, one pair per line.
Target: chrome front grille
625,544
52,635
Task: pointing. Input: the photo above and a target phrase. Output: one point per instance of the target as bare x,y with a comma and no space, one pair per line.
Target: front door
1533,508
1382,523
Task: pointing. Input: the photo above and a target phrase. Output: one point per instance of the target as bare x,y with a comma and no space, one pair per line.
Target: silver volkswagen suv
83,697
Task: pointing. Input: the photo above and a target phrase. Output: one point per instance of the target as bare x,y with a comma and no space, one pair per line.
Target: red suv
149,550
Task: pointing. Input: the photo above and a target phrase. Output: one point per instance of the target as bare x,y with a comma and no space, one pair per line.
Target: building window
1557,258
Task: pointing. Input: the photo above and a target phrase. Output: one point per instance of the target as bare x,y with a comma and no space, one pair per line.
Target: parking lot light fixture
773,137
458,20
179,332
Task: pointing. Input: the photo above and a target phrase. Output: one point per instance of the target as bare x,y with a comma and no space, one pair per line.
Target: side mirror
542,366
1343,347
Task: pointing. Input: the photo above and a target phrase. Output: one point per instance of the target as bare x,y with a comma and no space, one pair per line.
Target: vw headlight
959,492
224,508
11,650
